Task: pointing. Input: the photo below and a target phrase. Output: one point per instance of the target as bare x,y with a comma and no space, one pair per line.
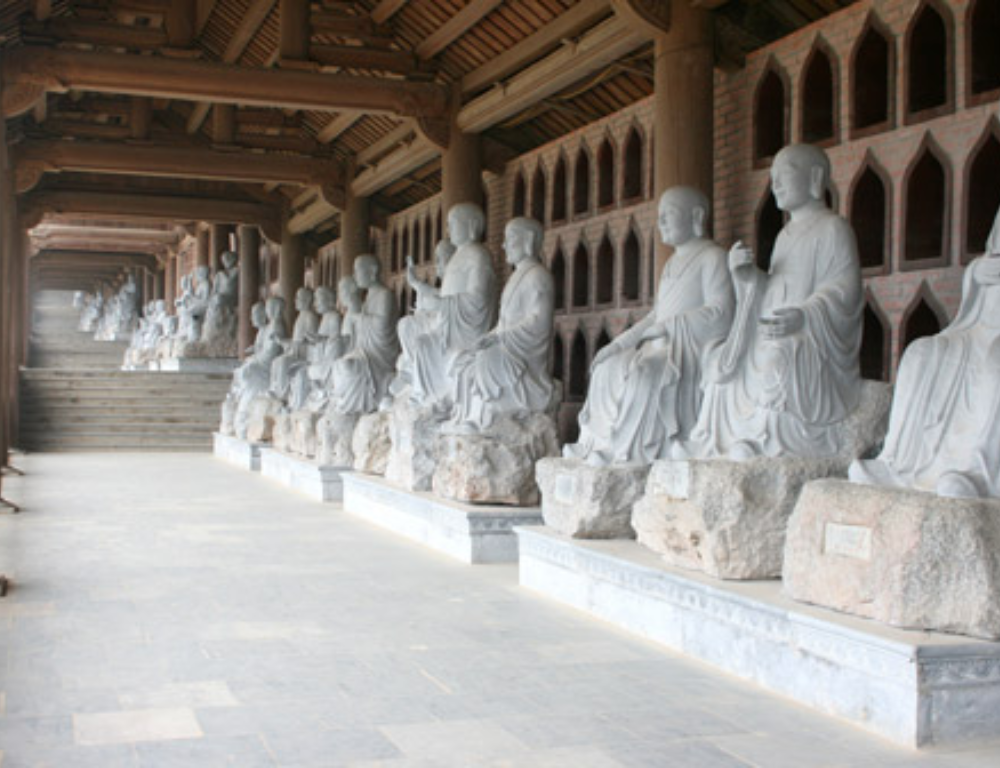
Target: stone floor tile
328,748
204,693
135,725
104,756
472,741
239,751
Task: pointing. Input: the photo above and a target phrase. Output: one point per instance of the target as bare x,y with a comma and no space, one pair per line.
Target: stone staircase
75,397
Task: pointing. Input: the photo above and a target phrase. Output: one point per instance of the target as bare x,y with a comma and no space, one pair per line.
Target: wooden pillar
170,282
291,272
202,257
9,239
294,30
355,227
158,284
218,244
462,170
684,106
249,245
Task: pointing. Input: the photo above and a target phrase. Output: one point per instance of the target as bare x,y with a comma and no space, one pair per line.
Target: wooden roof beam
455,27
28,72
36,157
395,165
386,9
599,48
67,30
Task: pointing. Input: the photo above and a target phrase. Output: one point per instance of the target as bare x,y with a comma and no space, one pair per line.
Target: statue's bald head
469,215
532,230
810,160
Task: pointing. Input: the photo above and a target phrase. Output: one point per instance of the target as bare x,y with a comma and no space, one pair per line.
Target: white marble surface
472,534
236,451
917,689
319,481
195,364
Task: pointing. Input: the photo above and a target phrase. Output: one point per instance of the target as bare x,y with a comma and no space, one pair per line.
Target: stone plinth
371,443
414,432
334,433
303,439
319,481
906,558
472,534
590,502
915,688
497,467
261,416
196,364
242,453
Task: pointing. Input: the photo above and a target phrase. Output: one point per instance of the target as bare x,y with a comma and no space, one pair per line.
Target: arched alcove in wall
578,368
581,277
605,281
632,161
818,101
770,120
983,190
923,318
928,57
559,191
520,193
631,267
605,174
871,76
869,215
538,194
581,183
558,363
983,27
558,269
875,343
926,207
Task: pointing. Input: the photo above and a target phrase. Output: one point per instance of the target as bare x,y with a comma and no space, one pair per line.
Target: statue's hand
739,256
783,322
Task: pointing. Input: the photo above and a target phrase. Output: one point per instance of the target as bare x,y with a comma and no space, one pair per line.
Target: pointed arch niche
870,215
558,362
520,193
577,386
923,318
875,342
982,194
983,25
928,55
633,169
819,97
770,114
872,67
558,270
581,183
770,220
538,195
581,277
631,266
559,191
605,271
926,209
605,174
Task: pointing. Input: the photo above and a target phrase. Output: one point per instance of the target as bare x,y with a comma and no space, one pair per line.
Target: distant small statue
218,334
296,349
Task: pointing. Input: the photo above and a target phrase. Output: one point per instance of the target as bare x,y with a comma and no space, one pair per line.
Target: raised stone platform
916,688
242,453
467,532
319,481
195,365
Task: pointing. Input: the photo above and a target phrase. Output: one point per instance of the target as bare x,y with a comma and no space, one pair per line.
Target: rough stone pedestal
281,432
414,432
588,502
728,518
496,467
371,443
902,557
303,433
262,414
334,433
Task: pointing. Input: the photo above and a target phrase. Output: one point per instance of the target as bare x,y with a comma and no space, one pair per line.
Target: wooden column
294,29
683,124
9,239
148,288
202,254
291,272
170,282
249,245
355,225
158,284
462,169
219,243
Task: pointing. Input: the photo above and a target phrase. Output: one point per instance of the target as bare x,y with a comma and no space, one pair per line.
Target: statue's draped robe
788,396
465,311
511,377
296,354
362,376
648,395
946,406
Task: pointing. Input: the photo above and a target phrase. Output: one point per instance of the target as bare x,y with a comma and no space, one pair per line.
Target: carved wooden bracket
27,176
21,98
437,131
652,16
334,195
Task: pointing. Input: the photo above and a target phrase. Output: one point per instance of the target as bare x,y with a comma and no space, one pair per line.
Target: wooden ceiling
347,93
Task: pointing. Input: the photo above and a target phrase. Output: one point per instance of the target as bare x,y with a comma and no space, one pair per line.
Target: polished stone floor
169,610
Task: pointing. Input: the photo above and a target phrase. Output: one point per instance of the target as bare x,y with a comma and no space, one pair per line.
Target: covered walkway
169,610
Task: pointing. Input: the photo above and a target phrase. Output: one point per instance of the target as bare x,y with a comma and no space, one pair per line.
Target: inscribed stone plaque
848,540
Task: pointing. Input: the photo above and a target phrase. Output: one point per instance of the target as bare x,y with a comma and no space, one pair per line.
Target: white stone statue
252,379
128,307
506,372
787,377
362,376
181,308
314,381
645,386
452,318
90,314
296,349
221,323
944,427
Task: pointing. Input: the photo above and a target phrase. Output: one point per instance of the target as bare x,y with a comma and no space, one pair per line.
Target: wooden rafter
455,27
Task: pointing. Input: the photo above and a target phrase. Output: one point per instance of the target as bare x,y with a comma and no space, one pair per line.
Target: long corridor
168,610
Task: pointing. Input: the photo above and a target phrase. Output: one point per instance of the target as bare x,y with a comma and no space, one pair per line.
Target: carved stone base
472,534
590,502
318,481
334,435
261,416
414,434
282,432
235,451
371,443
902,557
915,688
497,467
